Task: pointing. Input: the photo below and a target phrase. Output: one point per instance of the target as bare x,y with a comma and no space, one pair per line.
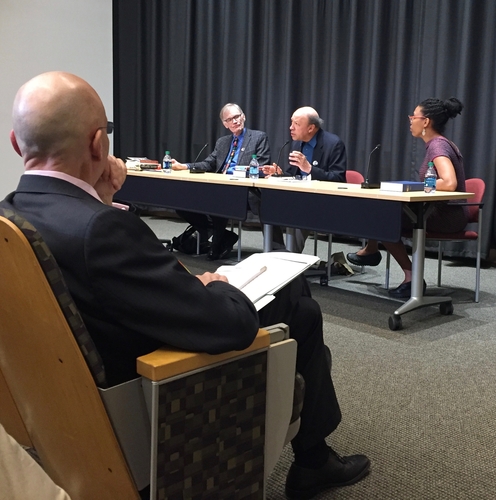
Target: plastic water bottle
167,163
253,171
430,179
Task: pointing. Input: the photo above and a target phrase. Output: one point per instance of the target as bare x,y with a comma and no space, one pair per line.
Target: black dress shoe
372,259
404,291
228,241
303,483
213,254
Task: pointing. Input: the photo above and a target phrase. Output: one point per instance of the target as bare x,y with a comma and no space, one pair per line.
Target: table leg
267,237
290,239
417,298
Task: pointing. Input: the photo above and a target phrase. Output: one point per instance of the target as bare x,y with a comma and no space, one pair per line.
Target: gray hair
229,105
315,120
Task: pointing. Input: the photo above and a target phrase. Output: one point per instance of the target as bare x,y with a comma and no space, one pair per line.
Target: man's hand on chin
111,180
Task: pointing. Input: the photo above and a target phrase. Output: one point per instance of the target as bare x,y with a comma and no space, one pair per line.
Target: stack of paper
261,275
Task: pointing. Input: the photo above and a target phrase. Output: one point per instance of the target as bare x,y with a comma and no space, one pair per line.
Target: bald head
55,115
305,123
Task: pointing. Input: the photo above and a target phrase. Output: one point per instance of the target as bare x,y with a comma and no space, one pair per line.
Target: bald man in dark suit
133,294
315,153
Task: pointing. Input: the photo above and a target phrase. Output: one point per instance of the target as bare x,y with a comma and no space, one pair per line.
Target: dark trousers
295,307
205,224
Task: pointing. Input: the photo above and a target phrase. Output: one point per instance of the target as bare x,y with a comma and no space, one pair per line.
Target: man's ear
13,141
96,146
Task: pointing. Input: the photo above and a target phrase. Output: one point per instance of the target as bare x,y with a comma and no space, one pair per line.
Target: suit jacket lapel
223,151
318,150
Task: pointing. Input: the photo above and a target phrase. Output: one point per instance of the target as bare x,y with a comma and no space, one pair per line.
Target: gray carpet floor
420,402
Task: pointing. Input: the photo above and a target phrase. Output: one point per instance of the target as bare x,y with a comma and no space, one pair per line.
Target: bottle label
429,184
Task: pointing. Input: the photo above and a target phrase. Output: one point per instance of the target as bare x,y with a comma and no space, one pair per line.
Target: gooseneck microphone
367,184
279,156
201,151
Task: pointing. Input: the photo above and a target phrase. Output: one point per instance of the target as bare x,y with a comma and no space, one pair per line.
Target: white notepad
262,275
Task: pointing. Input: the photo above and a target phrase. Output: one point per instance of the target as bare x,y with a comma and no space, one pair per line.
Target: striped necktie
231,156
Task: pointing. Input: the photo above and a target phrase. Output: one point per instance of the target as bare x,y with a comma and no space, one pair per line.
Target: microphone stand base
370,185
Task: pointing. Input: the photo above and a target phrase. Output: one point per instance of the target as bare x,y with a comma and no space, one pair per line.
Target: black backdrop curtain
363,64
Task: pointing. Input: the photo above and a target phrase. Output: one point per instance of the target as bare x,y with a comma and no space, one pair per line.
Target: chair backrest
10,417
49,379
61,292
354,177
476,186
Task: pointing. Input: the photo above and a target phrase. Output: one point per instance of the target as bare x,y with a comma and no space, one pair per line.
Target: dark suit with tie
134,295
254,142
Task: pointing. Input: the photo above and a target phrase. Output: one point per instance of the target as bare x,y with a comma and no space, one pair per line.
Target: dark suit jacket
255,142
133,295
329,158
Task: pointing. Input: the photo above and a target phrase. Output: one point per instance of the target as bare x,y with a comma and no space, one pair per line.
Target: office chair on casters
475,206
106,442
352,177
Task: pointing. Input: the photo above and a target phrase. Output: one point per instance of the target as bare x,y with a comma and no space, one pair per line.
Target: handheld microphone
201,151
367,184
279,156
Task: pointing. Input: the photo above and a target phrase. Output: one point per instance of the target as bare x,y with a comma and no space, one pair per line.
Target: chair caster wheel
324,281
446,308
395,322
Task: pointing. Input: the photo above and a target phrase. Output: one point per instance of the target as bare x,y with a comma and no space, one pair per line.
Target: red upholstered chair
475,205
354,177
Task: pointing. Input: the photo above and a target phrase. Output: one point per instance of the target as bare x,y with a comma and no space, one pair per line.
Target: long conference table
328,207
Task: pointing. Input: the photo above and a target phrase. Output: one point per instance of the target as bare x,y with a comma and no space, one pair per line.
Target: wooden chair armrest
170,361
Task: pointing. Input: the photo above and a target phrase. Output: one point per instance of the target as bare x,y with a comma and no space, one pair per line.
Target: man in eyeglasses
230,150
133,294
315,154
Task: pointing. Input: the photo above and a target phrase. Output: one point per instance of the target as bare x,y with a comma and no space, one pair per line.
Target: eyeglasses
109,127
233,118
412,117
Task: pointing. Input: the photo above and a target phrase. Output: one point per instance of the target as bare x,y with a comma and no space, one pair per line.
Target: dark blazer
255,142
329,158
133,295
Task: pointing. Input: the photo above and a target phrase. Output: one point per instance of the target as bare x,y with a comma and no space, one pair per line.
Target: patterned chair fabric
59,288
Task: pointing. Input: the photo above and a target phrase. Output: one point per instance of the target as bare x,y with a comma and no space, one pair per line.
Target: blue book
402,186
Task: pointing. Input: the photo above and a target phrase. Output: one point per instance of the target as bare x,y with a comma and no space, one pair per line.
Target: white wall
46,35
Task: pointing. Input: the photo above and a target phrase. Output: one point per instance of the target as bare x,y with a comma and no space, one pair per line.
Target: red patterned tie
231,156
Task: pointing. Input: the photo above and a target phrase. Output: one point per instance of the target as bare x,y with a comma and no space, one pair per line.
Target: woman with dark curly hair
428,123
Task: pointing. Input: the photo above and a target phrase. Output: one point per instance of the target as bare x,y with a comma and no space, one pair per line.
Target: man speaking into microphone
314,154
